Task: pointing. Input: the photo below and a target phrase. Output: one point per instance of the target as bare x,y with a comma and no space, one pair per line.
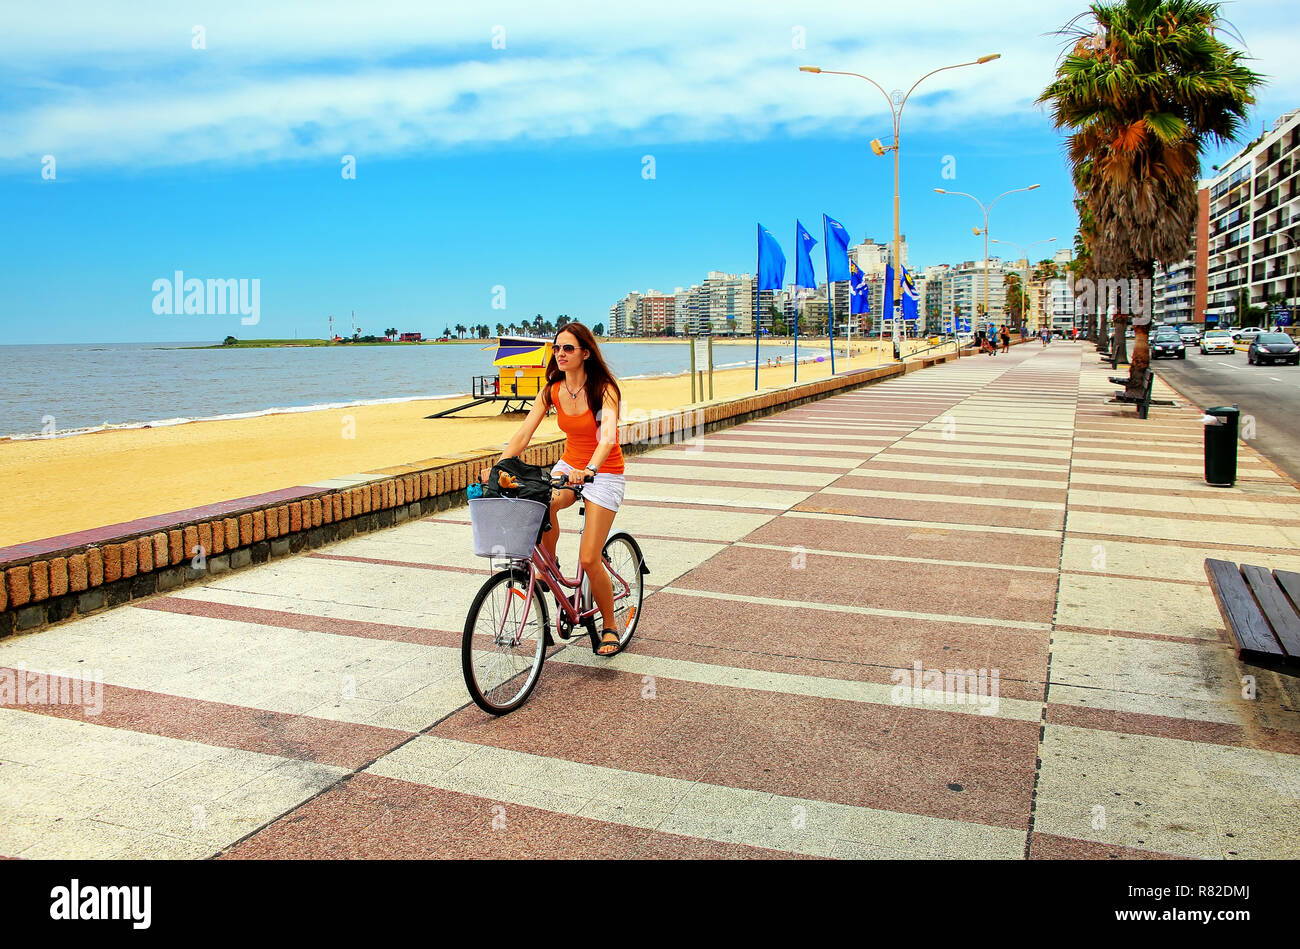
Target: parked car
1269,348
1247,334
1167,341
1217,341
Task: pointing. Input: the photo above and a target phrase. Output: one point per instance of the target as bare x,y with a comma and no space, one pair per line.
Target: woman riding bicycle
576,380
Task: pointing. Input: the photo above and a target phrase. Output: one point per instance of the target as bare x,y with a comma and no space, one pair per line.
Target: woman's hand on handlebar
579,477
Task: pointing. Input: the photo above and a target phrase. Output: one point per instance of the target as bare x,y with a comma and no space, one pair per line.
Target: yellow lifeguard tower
521,372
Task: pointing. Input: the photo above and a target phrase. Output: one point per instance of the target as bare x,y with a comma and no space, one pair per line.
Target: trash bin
1221,445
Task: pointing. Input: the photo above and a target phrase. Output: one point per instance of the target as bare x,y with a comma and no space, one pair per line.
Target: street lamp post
986,208
1024,255
896,108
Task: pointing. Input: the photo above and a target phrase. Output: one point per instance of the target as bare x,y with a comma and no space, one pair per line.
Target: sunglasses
566,348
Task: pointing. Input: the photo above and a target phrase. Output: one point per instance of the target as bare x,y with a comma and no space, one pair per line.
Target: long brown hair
598,374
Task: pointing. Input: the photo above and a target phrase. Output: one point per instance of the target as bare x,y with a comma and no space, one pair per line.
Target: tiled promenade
991,514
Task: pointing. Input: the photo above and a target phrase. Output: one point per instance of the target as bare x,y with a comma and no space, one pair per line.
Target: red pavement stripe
878,584
1273,521
865,480
1111,574
846,451
301,737
1052,847
900,510
1060,473
938,456
799,641
703,460
640,536
646,478
1184,729
373,817
1289,498
480,571
918,760
1164,542
908,540
304,621
990,439
682,506
1131,634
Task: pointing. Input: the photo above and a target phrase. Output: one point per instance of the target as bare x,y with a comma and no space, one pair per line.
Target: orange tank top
581,436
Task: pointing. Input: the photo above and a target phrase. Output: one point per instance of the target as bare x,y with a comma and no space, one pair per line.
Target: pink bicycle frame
545,567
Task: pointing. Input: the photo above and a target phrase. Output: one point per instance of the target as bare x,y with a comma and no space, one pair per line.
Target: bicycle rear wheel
502,652
624,557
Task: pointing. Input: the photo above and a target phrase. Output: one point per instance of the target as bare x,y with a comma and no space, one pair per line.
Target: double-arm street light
986,208
896,103
1024,255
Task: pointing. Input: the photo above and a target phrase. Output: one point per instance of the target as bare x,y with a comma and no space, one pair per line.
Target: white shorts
606,491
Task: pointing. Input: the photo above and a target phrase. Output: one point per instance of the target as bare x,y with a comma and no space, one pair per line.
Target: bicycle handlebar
563,483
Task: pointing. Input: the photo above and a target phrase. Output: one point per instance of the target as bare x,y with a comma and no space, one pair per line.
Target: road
1270,394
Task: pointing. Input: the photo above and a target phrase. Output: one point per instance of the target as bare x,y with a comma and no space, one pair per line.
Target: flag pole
830,293
758,299
797,303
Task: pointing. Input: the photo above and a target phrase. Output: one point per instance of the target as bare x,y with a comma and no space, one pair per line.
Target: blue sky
478,166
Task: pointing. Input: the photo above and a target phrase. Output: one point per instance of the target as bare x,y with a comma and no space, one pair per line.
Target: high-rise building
872,257
1249,231
621,315
932,297
964,291
655,314
1174,293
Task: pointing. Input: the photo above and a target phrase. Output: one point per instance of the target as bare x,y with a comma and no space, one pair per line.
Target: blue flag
804,276
837,250
911,299
887,313
859,290
771,262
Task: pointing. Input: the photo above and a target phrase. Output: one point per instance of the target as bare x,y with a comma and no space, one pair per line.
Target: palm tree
501,330
446,331
391,332
1015,300
1145,88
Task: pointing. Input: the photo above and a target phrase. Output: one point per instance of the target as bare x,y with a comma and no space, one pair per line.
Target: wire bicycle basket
506,528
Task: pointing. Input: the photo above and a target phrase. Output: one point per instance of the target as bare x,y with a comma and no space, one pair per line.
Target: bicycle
508,629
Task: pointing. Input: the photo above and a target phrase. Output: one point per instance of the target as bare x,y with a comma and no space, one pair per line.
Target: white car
1217,341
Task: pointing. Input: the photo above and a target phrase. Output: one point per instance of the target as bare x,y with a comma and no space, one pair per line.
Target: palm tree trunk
1120,324
1141,362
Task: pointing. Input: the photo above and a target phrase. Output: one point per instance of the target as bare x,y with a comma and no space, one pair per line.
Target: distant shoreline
610,341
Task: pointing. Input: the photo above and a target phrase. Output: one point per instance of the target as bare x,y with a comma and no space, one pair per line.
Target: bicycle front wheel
502,651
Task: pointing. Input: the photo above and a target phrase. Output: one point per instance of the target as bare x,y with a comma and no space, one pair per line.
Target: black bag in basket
534,481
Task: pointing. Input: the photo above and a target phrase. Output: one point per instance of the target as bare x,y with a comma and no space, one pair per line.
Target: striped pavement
991,531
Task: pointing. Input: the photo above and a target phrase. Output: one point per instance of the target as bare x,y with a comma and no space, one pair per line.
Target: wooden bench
1144,403
1260,610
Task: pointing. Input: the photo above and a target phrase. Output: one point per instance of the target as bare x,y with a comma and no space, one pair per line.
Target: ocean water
69,389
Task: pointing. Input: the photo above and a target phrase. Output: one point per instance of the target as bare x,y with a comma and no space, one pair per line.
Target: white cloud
120,84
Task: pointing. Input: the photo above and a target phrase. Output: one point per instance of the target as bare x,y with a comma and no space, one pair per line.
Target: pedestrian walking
1006,338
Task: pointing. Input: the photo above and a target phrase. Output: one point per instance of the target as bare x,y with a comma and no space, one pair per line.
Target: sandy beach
60,485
